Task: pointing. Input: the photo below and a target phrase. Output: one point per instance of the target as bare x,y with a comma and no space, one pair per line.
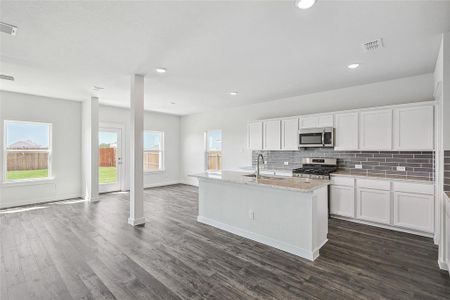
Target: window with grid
214,150
27,150
153,151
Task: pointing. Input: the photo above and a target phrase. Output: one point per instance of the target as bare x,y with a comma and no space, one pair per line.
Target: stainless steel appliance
316,137
316,168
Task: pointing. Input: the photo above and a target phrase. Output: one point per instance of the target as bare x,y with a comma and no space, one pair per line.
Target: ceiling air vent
373,45
8,29
6,77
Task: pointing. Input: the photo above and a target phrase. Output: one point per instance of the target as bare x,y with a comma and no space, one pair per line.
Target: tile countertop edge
394,178
249,181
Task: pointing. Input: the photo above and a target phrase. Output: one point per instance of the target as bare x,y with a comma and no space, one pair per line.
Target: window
214,150
153,151
28,149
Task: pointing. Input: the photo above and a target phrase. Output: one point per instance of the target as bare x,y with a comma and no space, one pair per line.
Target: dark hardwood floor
76,250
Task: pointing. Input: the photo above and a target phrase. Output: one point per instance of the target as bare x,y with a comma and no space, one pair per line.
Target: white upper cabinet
316,121
255,135
289,134
272,135
375,130
346,131
414,128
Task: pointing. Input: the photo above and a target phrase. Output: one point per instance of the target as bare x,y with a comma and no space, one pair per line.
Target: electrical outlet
401,169
358,166
251,214
286,163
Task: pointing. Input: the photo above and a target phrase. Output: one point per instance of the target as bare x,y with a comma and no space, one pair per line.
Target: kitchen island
290,214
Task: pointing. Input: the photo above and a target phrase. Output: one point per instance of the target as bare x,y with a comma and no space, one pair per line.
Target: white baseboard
158,184
305,253
443,265
136,222
429,235
33,200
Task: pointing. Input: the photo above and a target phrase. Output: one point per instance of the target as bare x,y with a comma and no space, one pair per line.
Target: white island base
286,219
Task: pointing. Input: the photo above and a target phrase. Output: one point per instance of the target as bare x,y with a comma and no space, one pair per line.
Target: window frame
207,150
162,151
49,151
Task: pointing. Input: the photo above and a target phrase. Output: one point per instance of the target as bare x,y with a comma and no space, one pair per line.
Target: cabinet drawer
374,184
347,181
410,187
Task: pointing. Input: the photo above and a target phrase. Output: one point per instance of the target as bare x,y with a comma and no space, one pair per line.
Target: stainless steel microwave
316,137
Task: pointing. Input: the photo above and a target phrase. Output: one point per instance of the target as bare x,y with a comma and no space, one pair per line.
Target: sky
107,137
20,131
152,140
214,140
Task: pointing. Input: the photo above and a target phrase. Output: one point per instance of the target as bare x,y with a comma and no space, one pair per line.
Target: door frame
104,126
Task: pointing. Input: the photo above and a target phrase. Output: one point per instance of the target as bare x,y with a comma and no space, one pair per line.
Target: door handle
323,138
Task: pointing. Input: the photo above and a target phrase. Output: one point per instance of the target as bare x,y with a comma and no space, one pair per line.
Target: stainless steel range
316,168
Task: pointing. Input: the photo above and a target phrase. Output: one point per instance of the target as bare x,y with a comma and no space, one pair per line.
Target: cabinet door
414,211
376,130
309,122
373,205
272,135
346,131
255,135
289,134
326,121
342,201
414,128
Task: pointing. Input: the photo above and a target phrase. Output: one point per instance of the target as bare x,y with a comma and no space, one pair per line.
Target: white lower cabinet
373,205
414,211
414,206
401,205
342,200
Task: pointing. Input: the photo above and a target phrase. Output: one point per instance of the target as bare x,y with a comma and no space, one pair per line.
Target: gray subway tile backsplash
447,170
418,164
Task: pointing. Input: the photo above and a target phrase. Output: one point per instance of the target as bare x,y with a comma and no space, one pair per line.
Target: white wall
65,117
169,124
233,121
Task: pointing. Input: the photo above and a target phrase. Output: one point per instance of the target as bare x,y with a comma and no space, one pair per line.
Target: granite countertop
277,182
387,177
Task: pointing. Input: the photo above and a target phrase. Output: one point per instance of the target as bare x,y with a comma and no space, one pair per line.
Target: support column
90,149
137,151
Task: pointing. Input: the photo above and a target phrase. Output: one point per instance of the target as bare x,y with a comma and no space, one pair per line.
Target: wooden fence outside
214,160
18,161
107,157
151,160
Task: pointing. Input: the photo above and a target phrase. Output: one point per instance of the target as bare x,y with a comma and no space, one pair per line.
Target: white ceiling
263,49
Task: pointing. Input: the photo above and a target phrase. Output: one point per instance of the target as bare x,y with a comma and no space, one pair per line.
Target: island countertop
285,183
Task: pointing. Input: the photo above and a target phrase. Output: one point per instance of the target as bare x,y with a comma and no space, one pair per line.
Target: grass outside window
26,174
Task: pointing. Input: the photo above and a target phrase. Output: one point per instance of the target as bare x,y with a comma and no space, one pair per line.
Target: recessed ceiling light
8,28
234,93
97,88
7,77
305,4
353,66
161,70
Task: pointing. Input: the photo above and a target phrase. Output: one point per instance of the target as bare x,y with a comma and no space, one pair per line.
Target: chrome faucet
257,164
